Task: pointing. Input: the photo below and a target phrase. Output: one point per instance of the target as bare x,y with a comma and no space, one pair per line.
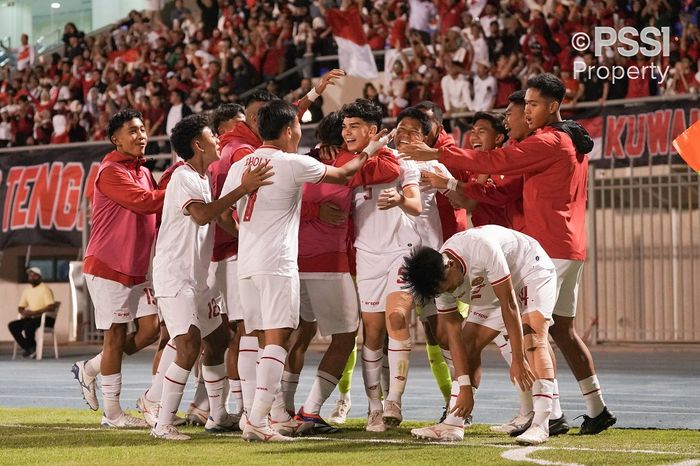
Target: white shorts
331,301
377,276
223,277
568,278
118,304
269,301
190,308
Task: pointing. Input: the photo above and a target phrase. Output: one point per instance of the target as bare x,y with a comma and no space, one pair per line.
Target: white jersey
385,231
428,222
490,255
183,248
268,237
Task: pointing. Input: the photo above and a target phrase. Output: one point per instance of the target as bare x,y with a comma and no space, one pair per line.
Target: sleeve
185,191
446,302
490,262
233,180
381,168
493,194
122,190
410,174
532,155
23,301
306,169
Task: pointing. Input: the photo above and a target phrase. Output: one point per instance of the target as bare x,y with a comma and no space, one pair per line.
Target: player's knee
562,331
537,352
343,342
397,321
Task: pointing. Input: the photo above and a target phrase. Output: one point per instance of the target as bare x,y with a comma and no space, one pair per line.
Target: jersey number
249,207
522,296
476,291
214,308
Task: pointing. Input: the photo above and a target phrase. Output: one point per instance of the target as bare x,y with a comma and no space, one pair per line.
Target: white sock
504,347
111,388
447,356
385,375
92,366
269,377
592,395
173,387
556,406
372,374
200,400
236,394
323,386
166,358
542,394
278,411
451,419
290,381
247,368
525,402
399,358
214,382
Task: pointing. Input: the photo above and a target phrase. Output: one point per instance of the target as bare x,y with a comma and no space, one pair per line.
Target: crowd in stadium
465,56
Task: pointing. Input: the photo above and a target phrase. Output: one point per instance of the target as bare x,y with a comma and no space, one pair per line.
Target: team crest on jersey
477,281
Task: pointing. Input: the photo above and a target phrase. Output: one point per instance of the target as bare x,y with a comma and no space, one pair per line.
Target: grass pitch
68,436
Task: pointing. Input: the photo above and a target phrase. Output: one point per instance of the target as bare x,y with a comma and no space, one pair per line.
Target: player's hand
253,179
433,180
331,214
328,152
389,198
464,403
378,141
420,152
521,374
329,79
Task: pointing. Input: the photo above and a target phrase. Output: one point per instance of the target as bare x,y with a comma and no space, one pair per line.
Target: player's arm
381,168
229,224
450,325
328,79
120,188
534,154
519,370
343,174
408,199
203,213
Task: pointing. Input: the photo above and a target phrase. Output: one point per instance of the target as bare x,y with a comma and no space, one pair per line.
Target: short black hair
423,271
496,120
224,113
273,117
330,129
261,95
120,118
185,131
548,85
364,109
517,97
416,114
428,106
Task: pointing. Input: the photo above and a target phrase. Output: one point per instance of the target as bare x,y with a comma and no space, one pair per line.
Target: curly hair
364,109
423,271
120,118
185,131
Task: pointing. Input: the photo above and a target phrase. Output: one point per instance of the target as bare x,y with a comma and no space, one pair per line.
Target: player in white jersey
191,311
268,245
385,231
470,265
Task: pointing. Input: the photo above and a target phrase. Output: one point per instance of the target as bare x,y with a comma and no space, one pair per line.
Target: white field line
389,441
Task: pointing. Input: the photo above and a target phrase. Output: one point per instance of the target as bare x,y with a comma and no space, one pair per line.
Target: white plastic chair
40,332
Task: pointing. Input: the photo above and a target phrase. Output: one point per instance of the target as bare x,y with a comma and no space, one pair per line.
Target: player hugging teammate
292,229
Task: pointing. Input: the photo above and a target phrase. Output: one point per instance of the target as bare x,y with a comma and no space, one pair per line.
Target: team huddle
246,249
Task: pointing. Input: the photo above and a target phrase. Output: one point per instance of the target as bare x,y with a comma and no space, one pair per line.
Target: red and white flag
354,54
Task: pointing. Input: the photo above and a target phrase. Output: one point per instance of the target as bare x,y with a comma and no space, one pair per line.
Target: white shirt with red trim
183,248
489,255
385,231
428,222
268,236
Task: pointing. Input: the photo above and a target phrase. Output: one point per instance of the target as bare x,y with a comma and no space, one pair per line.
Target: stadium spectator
178,110
456,92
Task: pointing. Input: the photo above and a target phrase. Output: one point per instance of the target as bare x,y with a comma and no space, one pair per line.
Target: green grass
67,436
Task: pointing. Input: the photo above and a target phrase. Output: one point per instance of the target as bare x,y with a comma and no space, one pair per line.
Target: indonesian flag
354,54
687,145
